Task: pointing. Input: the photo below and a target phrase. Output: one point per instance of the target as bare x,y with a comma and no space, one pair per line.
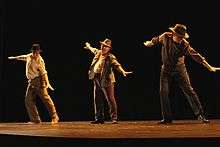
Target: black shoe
203,119
98,122
165,121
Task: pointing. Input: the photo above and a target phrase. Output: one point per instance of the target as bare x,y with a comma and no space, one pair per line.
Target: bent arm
44,76
45,81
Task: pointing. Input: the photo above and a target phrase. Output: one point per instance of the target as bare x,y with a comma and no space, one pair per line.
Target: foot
55,120
165,121
114,122
33,122
98,122
203,119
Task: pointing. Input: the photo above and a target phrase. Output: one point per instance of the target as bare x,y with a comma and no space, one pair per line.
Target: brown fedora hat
106,42
180,30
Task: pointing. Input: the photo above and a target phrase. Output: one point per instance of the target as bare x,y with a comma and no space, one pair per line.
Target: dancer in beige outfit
37,85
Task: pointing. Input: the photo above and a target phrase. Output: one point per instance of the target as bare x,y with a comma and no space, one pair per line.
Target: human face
105,49
177,38
36,54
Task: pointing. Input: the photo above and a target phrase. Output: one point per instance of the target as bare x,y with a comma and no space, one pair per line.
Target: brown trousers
35,89
100,94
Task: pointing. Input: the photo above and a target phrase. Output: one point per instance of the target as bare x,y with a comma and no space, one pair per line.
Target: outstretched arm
200,59
118,66
21,57
92,49
125,73
210,68
154,40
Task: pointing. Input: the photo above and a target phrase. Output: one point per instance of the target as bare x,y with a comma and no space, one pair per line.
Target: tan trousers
35,90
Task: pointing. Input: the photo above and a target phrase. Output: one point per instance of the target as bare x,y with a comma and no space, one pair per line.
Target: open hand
50,87
87,45
148,43
214,69
11,58
126,73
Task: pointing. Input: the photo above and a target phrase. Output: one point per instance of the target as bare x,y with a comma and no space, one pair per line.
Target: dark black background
64,26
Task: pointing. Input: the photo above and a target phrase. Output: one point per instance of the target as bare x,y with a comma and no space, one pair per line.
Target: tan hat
106,42
180,30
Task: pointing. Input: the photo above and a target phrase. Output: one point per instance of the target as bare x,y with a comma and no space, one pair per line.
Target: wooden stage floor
180,131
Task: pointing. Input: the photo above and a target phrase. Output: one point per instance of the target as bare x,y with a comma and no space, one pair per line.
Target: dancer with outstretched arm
101,72
38,84
174,49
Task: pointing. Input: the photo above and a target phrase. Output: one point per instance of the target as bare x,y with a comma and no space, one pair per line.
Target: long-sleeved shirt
34,68
173,54
107,74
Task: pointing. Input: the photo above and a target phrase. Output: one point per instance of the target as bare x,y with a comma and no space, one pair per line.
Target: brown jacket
107,74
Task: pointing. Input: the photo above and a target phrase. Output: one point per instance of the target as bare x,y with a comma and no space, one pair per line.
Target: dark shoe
165,121
203,119
98,122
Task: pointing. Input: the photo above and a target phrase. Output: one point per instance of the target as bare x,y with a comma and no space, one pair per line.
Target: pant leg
164,95
109,95
30,104
98,101
46,99
190,94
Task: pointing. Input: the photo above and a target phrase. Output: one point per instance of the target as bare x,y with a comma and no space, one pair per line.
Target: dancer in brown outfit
101,72
174,49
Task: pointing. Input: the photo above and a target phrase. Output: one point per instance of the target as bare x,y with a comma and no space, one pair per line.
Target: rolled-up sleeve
94,50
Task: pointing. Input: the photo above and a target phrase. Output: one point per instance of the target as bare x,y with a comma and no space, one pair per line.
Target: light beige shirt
33,66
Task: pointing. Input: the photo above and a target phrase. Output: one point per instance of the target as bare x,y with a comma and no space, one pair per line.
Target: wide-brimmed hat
180,30
106,42
35,47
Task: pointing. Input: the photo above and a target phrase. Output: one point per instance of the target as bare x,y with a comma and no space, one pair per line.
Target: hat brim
184,36
36,50
103,43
